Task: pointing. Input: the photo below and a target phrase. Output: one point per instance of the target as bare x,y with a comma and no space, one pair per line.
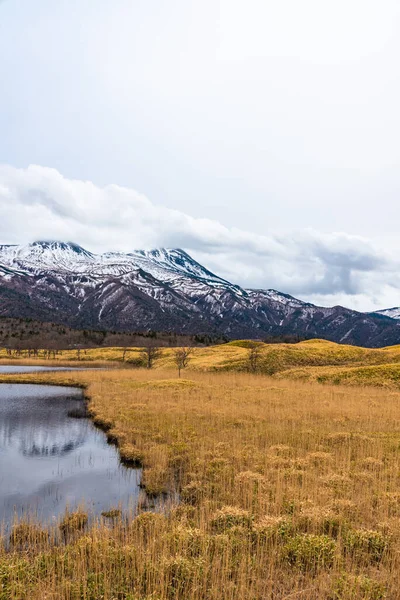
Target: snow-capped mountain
164,289
393,313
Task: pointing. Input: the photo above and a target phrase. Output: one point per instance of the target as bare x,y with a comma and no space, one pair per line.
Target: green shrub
310,552
365,544
349,587
187,540
181,573
148,524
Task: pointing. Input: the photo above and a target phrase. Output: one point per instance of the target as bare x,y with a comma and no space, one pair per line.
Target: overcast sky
260,135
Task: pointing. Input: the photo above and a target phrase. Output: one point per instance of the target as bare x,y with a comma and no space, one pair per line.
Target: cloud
39,203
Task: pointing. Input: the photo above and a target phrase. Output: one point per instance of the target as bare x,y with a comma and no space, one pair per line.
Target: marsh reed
284,490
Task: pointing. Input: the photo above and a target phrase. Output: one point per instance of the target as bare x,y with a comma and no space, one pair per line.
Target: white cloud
39,203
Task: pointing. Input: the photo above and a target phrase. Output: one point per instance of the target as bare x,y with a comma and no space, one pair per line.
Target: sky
260,136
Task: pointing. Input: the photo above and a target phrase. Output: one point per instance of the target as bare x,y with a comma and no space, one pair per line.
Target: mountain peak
57,245
174,261
45,255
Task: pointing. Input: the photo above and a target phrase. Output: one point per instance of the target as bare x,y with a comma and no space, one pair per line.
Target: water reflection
49,461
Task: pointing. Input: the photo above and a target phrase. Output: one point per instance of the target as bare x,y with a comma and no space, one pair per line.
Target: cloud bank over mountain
326,268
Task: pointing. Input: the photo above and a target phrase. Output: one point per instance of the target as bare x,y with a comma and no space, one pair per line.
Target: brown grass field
276,487
313,360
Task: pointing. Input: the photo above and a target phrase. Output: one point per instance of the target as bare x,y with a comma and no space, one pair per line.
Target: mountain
167,290
394,313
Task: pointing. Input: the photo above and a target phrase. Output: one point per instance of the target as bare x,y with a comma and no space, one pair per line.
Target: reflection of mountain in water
51,450
40,427
50,462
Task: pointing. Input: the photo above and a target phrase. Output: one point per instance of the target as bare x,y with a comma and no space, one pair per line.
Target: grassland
313,360
288,489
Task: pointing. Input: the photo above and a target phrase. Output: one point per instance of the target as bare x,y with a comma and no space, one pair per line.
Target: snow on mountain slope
393,313
171,277
164,289
40,256
164,264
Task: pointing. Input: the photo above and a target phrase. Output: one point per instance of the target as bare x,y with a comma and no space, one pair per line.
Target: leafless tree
182,357
151,353
254,356
79,348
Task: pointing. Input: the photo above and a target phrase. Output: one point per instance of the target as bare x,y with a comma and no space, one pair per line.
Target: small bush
148,524
319,520
181,573
365,544
310,552
113,513
272,527
230,516
154,482
192,493
350,587
75,521
187,540
25,535
131,456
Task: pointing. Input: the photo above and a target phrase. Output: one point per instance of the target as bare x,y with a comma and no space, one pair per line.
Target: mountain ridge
393,313
165,289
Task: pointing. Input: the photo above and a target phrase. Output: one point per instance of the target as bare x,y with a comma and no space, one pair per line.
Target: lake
4,369
50,461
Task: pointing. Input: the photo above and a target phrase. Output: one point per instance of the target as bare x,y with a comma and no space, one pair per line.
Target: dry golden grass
311,360
287,490
385,375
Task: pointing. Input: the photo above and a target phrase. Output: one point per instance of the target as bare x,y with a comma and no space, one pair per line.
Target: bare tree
254,356
79,348
150,353
182,357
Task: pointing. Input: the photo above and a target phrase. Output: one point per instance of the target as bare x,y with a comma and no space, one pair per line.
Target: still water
33,369
50,461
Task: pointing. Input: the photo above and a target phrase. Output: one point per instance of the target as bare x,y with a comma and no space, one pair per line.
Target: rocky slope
164,290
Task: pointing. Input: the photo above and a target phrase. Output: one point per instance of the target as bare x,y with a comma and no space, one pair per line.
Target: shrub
272,527
187,540
192,493
365,544
319,520
230,516
250,478
75,521
26,535
310,552
154,482
131,456
181,573
148,524
349,587
113,513
319,458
